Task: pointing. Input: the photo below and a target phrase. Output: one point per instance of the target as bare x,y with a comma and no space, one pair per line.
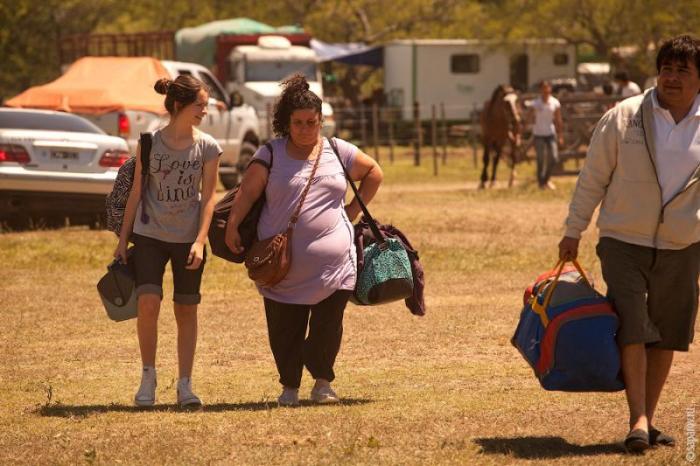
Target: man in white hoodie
643,168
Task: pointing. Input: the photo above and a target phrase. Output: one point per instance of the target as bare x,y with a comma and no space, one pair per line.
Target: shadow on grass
544,447
61,410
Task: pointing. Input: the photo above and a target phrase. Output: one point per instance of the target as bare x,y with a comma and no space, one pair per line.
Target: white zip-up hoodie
620,171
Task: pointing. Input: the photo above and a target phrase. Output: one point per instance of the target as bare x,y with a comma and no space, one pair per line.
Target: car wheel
231,180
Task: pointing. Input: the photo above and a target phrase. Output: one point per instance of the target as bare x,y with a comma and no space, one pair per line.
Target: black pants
293,349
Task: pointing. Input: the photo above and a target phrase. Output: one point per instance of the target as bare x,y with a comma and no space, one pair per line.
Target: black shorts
150,256
654,291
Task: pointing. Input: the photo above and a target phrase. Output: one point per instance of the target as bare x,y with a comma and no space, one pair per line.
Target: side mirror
236,99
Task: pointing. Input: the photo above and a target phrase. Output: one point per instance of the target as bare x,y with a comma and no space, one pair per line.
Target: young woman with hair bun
170,223
313,295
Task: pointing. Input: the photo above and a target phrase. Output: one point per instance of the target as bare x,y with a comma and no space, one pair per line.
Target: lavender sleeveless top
323,251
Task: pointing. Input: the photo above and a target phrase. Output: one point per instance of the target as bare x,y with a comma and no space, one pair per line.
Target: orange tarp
98,85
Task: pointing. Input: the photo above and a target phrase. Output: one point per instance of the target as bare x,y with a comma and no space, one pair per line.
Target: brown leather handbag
268,260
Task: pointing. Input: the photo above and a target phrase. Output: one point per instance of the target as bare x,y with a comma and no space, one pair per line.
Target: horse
500,124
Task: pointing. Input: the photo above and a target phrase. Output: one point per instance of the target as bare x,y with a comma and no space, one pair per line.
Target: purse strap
295,215
378,236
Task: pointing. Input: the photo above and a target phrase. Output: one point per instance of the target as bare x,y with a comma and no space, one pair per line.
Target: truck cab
255,73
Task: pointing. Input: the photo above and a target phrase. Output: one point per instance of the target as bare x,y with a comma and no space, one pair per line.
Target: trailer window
464,63
561,59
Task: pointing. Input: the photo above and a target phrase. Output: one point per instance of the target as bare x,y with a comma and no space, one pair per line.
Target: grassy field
447,388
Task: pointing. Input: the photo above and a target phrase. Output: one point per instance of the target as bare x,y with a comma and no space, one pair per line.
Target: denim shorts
150,257
654,291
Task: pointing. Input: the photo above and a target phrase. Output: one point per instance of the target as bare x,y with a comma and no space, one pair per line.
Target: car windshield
279,70
47,122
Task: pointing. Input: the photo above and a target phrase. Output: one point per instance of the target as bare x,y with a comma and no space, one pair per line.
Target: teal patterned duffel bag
386,275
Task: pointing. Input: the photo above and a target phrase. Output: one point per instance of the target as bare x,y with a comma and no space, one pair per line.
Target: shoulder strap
370,220
262,162
272,154
146,144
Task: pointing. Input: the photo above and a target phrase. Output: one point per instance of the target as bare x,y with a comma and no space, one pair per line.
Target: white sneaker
324,394
146,396
185,397
289,397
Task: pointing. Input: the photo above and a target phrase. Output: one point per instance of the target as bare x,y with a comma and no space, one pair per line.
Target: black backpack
115,204
248,229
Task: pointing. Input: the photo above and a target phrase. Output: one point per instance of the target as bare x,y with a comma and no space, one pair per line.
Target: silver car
55,166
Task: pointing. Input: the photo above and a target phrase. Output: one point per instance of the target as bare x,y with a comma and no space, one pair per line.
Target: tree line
30,30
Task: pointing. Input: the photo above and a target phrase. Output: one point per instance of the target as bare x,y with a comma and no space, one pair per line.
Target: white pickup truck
257,70
235,127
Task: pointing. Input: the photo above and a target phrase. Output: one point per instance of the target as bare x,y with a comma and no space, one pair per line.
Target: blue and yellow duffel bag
567,333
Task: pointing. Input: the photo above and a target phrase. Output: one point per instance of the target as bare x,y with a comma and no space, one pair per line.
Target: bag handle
378,236
541,310
112,272
295,215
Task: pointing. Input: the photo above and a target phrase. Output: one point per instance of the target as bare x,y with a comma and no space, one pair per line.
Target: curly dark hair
183,90
295,96
682,49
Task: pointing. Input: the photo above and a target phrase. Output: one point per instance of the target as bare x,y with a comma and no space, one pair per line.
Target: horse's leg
484,171
497,156
513,160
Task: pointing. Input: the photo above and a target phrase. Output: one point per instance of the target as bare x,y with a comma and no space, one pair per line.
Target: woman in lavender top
320,281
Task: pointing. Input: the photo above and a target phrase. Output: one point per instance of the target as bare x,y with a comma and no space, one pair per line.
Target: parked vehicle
462,74
256,71
251,59
116,93
234,125
53,166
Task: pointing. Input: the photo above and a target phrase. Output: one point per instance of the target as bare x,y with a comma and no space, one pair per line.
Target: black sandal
656,437
637,441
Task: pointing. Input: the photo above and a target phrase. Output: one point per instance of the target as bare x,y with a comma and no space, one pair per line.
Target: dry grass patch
444,389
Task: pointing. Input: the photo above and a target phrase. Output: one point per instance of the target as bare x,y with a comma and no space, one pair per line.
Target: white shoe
185,397
146,396
324,394
289,397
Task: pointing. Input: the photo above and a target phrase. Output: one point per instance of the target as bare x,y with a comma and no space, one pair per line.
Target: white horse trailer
462,74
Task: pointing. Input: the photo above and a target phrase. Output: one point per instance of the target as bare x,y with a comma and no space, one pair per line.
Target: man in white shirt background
626,88
548,132
643,168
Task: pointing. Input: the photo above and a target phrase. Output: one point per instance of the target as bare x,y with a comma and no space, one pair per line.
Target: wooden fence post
418,137
392,115
433,134
375,130
444,133
363,126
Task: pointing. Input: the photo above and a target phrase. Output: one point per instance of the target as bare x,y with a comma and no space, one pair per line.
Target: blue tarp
353,53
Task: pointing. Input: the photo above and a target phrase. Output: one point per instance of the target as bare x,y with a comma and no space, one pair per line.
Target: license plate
64,155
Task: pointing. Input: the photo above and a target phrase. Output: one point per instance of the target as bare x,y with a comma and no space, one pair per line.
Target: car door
219,118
